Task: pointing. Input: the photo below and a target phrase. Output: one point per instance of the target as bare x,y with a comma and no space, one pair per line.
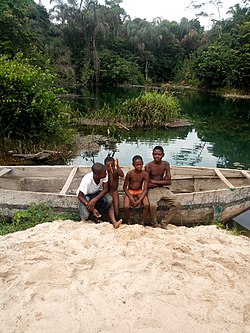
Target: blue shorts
101,205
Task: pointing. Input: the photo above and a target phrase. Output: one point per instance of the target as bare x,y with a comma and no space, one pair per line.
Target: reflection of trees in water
223,122
229,146
189,156
151,135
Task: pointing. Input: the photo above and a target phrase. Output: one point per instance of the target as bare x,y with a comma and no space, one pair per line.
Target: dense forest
86,43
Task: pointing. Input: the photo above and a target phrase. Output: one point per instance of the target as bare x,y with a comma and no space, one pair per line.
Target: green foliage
115,69
36,214
30,107
215,66
93,43
150,108
23,26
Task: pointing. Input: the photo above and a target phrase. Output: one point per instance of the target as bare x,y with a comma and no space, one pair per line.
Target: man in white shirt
93,195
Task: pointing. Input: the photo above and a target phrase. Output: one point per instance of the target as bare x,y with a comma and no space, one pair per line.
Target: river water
218,137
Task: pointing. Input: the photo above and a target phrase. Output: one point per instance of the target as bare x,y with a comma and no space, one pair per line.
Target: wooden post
68,181
4,171
245,173
220,175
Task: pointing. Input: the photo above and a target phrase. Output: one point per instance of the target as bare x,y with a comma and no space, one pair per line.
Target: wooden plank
220,175
4,171
245,173
69,181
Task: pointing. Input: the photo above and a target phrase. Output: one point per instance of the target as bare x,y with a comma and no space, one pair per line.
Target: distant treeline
86,43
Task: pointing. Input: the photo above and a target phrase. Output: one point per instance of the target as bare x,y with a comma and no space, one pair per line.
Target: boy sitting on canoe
114,172
159,178
136,187
93,197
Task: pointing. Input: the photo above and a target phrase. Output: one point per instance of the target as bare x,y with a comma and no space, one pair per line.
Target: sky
171,10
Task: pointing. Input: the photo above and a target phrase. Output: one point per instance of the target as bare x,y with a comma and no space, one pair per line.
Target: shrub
30,106
150,108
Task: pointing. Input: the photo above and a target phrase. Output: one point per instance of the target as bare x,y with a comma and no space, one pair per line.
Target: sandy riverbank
73,277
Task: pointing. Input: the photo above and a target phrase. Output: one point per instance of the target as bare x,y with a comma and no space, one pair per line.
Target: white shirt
89,186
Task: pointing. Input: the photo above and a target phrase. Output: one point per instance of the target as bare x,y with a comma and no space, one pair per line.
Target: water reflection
219,137
181,150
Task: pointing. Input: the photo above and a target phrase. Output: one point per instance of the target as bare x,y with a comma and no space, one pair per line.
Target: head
158,153
137,162
99,170
109,162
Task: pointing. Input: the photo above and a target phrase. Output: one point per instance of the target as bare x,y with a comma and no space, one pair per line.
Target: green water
218,137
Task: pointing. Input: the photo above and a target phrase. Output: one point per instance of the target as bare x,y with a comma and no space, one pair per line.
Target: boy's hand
91,205
132,201
110,169
137,203
116,162
96,213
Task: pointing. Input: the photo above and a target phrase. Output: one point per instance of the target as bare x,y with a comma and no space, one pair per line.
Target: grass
148,109
35,215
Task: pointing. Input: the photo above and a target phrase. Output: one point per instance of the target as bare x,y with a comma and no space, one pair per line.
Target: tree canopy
88,43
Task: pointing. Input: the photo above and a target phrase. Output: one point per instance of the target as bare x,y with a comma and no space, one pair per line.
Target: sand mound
73,277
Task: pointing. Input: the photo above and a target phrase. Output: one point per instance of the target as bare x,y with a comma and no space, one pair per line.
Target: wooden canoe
206,194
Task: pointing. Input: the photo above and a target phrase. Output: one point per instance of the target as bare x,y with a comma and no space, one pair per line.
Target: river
218,137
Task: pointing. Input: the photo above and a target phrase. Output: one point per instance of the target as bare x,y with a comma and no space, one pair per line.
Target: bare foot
117,224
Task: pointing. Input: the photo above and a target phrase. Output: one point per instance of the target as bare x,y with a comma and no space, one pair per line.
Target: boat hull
23,186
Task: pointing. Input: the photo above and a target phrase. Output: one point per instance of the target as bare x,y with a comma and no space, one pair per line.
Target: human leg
104,203
154,198
145,209
115,196
84,213
111,213
174,204
126,209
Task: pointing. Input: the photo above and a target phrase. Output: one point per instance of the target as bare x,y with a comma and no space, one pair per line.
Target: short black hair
136,157
159,148
109,159
98,168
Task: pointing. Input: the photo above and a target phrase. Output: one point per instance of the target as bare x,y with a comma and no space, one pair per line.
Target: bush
150,108
30,107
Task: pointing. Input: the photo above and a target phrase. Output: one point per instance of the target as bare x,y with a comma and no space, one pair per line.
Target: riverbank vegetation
85,43
30,106
36,214
148,109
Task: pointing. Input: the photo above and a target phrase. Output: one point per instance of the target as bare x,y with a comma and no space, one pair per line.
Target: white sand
74,277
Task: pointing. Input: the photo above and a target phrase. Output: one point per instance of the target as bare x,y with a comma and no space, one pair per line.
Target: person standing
159,179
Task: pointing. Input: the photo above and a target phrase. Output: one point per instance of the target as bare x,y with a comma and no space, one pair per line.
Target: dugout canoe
206,194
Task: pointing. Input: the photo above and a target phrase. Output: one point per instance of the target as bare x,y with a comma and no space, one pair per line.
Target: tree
30,107
23,26
216,66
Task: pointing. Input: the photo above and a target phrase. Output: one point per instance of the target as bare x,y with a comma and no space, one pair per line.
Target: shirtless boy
159,179
114,172
136,187
93,197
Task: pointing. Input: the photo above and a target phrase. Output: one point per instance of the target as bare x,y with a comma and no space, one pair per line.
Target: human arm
110,175
85,189
125,188
118,168
92,202
145,189
159,175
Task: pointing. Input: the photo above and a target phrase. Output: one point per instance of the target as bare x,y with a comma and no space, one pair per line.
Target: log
40,156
